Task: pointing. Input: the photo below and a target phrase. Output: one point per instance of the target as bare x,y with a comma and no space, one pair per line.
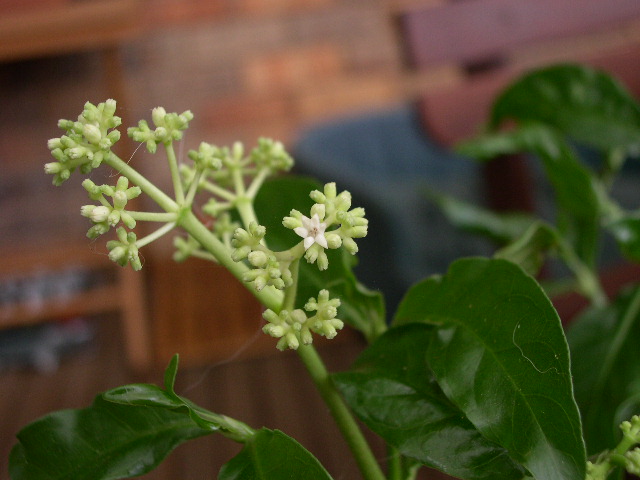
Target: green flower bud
317,196
158,115
257,258
53,168
54,143
120,199
294,220
92,133
350,245
97,214
633,461
333,240
322,261
318,209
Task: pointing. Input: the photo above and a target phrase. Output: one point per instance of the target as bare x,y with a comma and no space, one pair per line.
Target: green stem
175,173
346,423
622,334
257,182
269,297
156,235
219,191
244,206
289,302
193,188
153,216
395,465
588,281
157,195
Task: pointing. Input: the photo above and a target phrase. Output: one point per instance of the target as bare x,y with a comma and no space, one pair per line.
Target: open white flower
312,230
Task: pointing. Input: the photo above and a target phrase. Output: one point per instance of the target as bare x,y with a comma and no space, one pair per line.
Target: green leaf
272,455
588,105
102,442
361,308
501,227
392,390
145,395
576,194
626,231
606,368
499,354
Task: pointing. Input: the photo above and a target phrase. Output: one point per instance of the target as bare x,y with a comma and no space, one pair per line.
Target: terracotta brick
163,12
348,94
241,111
267,7
293,69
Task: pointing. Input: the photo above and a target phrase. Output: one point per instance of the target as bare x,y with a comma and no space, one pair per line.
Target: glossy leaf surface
272,455
392,390
588,105
153,396
102,442
500,355
361,308
606,368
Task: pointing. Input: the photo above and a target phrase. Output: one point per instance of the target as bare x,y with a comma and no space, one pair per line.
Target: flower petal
302,231
308,241
321,240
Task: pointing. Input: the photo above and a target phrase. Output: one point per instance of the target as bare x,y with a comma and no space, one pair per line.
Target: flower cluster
124,250
294,328
267,270
87,142
106,215
169,127
331,209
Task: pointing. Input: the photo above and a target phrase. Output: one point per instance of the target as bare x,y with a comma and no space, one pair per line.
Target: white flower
312,230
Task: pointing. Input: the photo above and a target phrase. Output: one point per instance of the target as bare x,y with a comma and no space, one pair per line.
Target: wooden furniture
52,27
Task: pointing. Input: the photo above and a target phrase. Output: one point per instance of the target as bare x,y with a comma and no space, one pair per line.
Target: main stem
269,297
340,412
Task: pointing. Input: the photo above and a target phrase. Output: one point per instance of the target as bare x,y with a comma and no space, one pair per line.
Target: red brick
293,69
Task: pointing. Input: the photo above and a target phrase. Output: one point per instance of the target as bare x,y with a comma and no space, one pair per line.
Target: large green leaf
272,455
588,105
392,390
575,190
606,368
361,308
102,442
499,354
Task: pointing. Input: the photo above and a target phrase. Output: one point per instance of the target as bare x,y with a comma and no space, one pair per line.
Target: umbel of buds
294,328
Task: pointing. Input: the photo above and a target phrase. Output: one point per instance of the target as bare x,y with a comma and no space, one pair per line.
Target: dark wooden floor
272,391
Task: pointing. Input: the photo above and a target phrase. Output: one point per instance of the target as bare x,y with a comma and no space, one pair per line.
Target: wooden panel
68,27
474,30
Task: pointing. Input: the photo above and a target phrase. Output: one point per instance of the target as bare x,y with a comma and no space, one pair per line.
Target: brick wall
265,67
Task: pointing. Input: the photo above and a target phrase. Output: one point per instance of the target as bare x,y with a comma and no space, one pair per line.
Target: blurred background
369,93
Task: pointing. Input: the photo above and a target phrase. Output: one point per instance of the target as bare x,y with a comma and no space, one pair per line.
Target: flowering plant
472,376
